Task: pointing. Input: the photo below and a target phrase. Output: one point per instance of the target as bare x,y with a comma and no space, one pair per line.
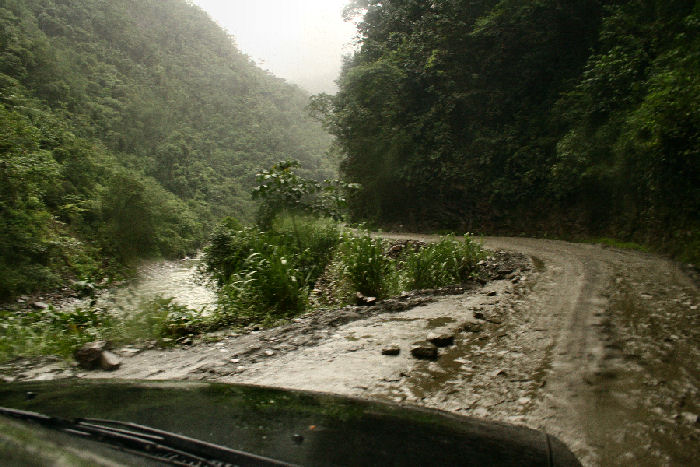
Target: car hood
296,427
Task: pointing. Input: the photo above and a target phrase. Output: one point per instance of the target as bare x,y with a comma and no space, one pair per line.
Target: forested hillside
573,118
126,128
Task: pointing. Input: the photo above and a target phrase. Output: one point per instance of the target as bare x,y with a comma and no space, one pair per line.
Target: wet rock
441,339
392,349
363,300
109,361
471,326
128,351
424,351
688,417
89,356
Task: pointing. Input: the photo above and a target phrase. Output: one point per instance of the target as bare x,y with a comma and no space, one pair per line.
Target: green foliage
160,320
366,267
50,332
443,263
266,290
57,332
281,190
266,276
126,129
564,117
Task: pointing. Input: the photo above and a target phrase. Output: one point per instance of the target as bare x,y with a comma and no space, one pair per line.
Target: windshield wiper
147,442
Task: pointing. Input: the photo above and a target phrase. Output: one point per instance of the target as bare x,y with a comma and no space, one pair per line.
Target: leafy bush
443,263
366,267
61,332
50,332
266,276
159,319
266,290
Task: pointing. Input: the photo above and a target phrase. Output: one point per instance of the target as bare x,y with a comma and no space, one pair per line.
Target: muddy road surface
597,346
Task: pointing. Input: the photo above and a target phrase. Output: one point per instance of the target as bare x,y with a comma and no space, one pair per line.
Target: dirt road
598,346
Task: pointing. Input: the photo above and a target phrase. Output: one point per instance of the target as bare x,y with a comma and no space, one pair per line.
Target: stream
176,279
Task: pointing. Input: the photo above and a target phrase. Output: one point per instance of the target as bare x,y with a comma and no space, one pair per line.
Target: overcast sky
302,41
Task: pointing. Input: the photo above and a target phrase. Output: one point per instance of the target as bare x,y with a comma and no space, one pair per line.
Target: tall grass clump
366,267
443,263
265,276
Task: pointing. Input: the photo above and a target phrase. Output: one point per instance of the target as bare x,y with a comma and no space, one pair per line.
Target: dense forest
127,128
547,117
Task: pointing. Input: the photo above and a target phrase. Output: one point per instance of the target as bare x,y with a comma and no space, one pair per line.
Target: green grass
443,263
54,332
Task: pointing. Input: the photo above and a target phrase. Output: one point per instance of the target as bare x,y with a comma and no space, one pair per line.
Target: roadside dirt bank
596,345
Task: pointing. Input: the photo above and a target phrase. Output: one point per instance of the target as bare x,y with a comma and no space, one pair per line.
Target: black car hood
294,426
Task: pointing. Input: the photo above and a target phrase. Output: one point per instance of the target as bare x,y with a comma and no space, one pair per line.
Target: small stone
524,400
479,315
493,293
424,351
689,417
363,300
441,339
235,360
109,361
392,349
40,305
128,351
269,353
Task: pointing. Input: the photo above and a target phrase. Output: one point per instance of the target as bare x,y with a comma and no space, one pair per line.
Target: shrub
366,267
443,263
50,332
265,276
267,289
61,332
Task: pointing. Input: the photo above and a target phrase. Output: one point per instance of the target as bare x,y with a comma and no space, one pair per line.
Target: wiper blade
148,442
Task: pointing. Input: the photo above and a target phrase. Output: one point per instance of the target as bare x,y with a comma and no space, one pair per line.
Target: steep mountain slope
571,118
127,127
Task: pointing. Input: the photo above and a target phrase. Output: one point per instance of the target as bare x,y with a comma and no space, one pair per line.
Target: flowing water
161,279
